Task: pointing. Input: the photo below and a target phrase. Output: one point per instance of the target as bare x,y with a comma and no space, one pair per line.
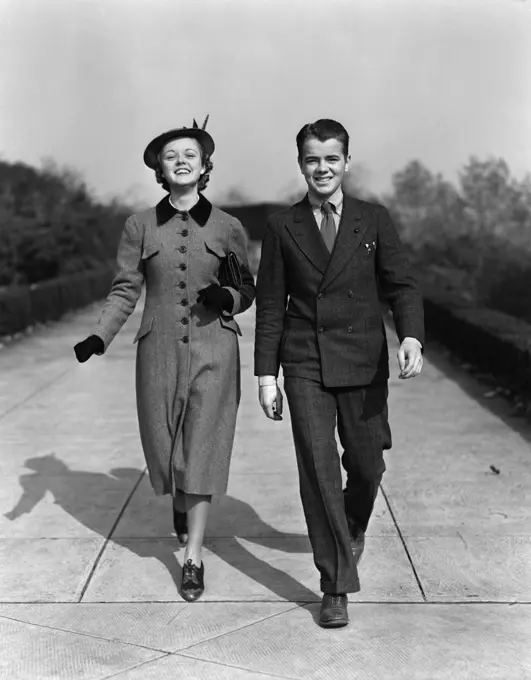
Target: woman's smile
181,162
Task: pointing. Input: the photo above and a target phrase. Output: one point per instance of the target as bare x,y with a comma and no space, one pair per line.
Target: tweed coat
187,362
332,329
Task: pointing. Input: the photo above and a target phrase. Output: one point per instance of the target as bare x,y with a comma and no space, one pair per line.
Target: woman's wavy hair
203,180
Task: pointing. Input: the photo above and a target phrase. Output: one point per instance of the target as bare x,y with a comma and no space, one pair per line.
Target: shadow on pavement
80,494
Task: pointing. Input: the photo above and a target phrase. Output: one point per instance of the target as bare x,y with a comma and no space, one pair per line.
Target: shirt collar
336,199
200,212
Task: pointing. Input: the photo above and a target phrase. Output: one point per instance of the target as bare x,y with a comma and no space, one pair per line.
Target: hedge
497,343
23,306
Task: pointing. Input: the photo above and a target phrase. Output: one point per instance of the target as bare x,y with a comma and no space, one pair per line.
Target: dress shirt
336,199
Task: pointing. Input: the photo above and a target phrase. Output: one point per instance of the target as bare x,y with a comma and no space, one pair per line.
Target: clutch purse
230,273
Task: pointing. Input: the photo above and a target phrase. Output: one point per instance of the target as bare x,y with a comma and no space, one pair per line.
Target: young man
318,314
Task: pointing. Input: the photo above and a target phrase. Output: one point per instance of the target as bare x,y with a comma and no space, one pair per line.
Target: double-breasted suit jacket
318,313
188,365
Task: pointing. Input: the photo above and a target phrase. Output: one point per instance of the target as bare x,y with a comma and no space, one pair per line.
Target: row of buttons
321,295
322,329
182,284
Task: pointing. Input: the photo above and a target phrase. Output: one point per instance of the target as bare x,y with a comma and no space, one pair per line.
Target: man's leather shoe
333,611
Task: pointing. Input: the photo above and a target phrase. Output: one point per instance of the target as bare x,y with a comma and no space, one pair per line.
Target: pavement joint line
83,634
106,541
96,537
205,661
393,517
240,668
300,603
57,378
138,665
166,537
183,651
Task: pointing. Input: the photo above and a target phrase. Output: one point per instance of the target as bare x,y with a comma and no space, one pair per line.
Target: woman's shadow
80,493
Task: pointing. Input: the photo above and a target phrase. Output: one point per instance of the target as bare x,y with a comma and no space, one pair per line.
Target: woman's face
181,162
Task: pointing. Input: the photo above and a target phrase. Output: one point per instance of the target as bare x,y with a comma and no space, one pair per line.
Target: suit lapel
307,236
352,227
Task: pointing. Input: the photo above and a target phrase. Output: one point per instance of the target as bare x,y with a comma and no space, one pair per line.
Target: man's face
323,165
181,162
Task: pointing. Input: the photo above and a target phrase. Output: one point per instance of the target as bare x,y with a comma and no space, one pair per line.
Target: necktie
328,225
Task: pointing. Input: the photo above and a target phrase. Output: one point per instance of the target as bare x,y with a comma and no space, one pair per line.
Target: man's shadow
80,494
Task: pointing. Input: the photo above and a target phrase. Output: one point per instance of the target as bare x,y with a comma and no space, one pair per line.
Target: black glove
85,349
215,297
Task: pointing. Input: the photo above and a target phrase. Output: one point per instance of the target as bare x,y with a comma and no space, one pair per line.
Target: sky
90,82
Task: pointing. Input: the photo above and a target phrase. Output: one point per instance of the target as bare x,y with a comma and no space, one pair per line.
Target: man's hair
203,180
323,129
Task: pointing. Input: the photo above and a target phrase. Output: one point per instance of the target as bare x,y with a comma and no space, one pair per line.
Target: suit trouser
364,433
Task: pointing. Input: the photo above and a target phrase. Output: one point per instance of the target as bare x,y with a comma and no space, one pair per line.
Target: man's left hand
409,358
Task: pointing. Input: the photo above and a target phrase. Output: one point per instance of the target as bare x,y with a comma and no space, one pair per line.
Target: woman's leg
197,508
180,521
193,584
179,503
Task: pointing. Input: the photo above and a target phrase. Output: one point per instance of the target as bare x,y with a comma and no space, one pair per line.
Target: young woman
188,363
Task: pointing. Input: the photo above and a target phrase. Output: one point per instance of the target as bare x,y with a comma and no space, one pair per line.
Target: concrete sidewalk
89,568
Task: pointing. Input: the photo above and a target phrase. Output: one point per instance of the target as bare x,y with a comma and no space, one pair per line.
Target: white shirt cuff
418,342
266,380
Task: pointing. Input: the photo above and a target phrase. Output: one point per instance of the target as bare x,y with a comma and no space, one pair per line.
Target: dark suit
330,339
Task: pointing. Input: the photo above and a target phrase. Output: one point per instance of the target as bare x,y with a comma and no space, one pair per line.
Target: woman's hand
85,349
215,297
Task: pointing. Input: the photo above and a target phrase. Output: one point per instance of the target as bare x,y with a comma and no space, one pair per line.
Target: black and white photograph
265,339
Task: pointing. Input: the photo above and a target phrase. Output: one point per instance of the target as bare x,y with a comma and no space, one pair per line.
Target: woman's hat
153,148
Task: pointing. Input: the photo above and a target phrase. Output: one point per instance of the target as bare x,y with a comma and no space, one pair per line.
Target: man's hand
409,358
271,400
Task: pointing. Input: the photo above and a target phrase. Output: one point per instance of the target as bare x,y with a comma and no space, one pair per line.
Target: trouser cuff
334,587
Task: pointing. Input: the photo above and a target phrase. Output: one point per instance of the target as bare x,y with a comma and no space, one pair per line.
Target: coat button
182,249
185,339
184,232
321,329
356,230
182,284
350,293
185,217
184,303
349,329
182,266
320,296
184,321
